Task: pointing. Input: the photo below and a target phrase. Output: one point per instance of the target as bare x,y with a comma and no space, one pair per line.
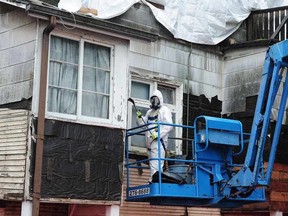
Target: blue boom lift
211,178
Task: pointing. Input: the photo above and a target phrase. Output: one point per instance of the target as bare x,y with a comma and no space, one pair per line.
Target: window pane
95,105
140,90
138,140
62,100
168,94
64,50
63,76
172,134
96,56
96,81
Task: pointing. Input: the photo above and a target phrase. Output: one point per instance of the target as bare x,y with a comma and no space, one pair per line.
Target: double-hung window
79,83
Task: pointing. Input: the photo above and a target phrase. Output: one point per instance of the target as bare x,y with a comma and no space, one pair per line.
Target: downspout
41,117
188,99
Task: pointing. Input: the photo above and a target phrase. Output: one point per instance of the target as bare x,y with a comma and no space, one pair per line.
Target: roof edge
46,11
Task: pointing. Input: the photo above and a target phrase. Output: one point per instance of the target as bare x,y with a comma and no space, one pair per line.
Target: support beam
26,208
276,213
113,210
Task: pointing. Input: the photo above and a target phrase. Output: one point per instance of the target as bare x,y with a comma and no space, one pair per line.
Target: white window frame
175,109
78,117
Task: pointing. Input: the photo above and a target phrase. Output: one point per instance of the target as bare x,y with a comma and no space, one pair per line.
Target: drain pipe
188,99
41,118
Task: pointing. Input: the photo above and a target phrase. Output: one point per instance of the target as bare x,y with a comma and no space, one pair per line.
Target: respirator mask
155,102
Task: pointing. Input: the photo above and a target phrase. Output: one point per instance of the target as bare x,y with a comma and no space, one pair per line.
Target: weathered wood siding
263,23
17,51
13,149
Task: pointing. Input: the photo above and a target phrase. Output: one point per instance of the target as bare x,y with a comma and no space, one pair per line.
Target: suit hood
158,94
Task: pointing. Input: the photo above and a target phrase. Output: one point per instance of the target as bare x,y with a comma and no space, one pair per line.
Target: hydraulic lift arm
273,72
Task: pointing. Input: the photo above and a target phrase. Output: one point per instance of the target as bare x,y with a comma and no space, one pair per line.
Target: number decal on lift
138,192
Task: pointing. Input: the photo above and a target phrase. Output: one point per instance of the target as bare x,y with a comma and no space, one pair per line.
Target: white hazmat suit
162,114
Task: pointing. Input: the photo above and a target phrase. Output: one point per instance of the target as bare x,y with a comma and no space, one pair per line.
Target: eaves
248,44
44,11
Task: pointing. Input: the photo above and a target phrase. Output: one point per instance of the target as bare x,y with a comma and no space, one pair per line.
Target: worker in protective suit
157,113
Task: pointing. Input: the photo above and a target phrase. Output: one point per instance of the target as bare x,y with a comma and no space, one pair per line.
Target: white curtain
63,78
96,81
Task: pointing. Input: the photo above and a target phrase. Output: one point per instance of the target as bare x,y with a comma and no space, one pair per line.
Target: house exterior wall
13,153
94,152
20,51
17,55
82,162
17,47
198,68
241,77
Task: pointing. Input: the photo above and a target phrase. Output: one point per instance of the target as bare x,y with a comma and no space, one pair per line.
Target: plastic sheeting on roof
198,21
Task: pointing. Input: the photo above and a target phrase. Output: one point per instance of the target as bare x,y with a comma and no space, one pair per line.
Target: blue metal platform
205,177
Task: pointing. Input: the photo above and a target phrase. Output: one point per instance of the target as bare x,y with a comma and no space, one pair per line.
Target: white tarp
197,21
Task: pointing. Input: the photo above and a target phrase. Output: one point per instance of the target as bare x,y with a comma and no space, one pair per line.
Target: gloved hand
154,135
138,114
